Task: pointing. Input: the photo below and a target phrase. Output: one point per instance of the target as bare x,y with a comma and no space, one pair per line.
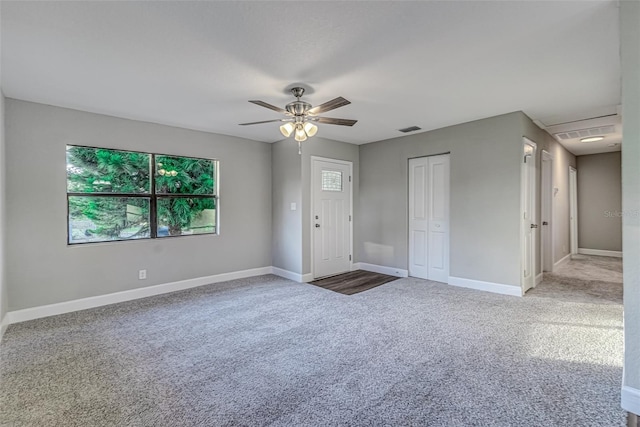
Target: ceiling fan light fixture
302,116
300,134
286,129
310,129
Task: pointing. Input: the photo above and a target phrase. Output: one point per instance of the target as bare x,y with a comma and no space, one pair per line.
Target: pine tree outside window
115,195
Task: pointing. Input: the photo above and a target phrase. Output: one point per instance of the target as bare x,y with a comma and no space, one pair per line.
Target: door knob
545,223
317,225
534,225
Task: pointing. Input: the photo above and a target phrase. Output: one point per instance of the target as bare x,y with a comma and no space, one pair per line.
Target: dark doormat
353,282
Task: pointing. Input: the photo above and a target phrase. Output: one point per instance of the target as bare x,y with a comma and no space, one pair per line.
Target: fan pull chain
299,148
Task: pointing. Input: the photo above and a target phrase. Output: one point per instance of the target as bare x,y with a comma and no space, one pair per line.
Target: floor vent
409,129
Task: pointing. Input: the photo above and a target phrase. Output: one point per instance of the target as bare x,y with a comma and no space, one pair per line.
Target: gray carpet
586,278
268,351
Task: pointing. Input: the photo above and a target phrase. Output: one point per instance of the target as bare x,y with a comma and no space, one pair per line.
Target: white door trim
547,210
573,210
528,283
312,208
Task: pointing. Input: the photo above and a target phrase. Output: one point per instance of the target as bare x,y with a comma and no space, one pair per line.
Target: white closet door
438,194
429,218
418,217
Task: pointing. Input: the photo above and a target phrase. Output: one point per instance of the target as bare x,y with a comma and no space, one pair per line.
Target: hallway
585,278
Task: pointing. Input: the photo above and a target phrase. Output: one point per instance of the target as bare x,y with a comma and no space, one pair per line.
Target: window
124,195
331,180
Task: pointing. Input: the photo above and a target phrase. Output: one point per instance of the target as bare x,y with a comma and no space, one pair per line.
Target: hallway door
573,210
528,215
546,209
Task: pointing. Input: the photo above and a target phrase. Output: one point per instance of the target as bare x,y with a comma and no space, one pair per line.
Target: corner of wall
4,302
286,207
3,326
630,399
630,55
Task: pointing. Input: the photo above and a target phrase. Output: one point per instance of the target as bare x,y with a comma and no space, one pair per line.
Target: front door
331,221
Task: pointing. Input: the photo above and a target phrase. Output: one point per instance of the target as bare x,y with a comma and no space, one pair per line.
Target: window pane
184,175
100,170
331,181
105,218
179,216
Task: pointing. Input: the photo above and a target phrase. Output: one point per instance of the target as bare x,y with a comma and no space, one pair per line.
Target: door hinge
349,178
349,257
349,218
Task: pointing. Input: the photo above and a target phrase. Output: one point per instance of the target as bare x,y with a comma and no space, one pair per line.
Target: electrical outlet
142,274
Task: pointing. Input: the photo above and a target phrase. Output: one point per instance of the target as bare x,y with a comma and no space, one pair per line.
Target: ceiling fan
301,116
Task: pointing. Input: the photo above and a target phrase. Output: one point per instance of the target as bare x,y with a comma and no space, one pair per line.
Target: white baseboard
630,400
562,261
391,271
496,288
600,252
355,266
3,326
98,301
539,278
296,277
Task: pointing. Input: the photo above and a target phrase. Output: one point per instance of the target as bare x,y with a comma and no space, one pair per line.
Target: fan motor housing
298,108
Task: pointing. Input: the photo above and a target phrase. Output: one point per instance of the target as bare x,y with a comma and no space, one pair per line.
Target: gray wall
630,50
485,197
562,159
42,269
287,189
4,305
600,201
292,183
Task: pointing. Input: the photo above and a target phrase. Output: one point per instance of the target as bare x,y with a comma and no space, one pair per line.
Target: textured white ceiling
430,64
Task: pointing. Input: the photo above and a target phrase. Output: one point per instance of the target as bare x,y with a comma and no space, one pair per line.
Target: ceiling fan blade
329,105
332,121
269,106
264,121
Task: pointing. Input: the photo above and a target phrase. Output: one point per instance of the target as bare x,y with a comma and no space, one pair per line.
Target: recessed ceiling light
592,139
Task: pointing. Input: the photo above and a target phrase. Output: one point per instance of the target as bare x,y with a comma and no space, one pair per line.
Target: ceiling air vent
584,133
409,129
